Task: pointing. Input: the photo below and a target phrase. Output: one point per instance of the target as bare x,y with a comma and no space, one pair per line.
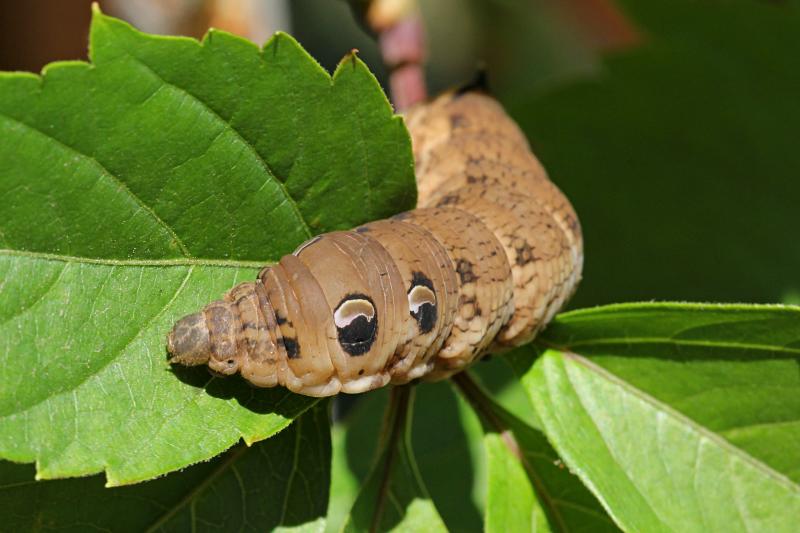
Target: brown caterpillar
493,251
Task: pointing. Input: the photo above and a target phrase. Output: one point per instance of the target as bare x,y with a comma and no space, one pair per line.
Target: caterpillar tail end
188,343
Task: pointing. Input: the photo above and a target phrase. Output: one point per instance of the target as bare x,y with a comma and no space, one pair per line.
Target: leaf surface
528,487
393,498
654,469
138,188
446,432
355,434
279,483
677,416
732,368
511,504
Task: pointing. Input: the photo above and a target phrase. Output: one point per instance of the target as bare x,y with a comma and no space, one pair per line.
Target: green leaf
279,483
730,368
653,468
680,330
704,396
447,436
510,503
497,376
138,188
393,497
528,487
355,441
451,465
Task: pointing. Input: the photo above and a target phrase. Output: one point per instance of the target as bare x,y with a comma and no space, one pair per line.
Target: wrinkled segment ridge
491,253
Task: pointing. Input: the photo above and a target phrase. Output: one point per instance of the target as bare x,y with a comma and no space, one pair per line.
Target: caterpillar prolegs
493,251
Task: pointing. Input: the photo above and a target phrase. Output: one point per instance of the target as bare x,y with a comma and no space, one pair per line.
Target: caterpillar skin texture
493,251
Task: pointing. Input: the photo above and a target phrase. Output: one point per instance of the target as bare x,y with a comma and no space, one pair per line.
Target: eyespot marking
356,324
422,302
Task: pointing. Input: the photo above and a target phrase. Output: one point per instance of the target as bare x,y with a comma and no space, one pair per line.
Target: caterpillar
492,252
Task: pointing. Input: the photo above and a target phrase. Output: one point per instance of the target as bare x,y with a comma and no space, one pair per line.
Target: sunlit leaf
137,188
677,416
528,487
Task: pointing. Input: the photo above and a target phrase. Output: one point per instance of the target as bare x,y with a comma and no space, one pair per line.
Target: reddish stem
401,37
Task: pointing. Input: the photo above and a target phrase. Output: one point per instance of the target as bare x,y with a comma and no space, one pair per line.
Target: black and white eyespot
356,323
422,302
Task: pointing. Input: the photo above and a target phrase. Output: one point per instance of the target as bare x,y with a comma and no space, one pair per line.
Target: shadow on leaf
276,400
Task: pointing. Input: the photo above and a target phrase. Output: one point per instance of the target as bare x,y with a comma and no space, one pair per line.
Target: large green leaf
654,469
705,396
731,368
281,482
393,497
136,189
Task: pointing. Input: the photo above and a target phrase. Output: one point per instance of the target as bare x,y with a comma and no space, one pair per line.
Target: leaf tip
352,60
279,37
97,14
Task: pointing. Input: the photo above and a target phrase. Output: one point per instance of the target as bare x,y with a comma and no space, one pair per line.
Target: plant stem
400,32
479,401
394,424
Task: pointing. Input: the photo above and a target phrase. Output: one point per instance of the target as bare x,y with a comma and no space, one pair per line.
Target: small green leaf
393,497
510,503
138,188
448,437
528,487
279,483
451,466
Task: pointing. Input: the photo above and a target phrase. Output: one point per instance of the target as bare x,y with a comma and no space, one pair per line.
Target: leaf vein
228,126
105,172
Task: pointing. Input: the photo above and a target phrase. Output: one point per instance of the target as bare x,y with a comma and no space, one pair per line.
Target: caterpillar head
226,335
188,343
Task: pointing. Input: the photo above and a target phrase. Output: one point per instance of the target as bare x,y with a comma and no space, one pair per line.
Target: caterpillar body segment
492,252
